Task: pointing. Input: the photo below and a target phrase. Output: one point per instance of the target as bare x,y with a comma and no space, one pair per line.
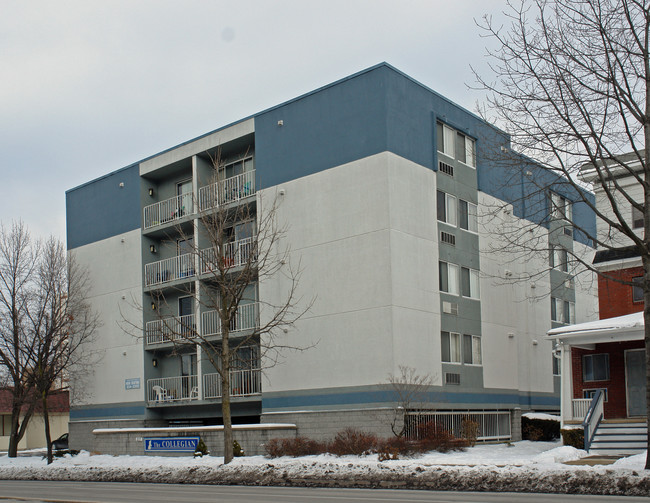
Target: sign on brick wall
170,444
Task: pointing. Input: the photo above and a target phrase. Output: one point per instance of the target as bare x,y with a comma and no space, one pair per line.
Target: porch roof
622,328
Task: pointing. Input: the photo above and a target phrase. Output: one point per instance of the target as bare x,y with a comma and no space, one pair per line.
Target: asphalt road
116,492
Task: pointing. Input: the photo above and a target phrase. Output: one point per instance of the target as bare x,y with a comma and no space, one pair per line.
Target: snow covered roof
622,328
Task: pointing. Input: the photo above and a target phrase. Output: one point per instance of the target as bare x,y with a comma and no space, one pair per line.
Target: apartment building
395,213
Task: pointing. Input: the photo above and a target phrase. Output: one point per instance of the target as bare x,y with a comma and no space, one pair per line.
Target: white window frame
561,306
476,351
454,339
560,258
451,208
472,216
452,277
448,141
561,207
474,284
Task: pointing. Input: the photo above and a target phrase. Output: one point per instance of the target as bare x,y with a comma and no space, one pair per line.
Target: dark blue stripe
104,412
439,398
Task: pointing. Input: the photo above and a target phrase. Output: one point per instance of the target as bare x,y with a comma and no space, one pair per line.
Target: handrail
593,418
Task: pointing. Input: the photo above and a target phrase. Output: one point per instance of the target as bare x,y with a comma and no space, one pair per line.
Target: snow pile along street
523,466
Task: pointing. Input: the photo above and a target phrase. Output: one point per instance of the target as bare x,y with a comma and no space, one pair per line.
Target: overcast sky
88,87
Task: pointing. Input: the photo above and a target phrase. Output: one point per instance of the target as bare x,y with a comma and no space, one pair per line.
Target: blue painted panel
101,208
373,397
78,413
332,126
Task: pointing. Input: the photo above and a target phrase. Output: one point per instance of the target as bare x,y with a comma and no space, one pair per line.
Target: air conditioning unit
450,308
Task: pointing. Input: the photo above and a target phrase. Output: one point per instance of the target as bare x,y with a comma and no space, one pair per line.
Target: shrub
201,449
543,430
353,441
574,438
237,451
299,446
432,436
394,447
469,430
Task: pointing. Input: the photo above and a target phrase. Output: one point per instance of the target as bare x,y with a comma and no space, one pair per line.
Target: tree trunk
646,320
13,436
48,437
225,396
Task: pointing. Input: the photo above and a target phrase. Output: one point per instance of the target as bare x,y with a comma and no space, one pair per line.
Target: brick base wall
324,425
131,441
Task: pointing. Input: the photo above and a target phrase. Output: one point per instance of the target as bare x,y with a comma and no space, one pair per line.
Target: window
446,138
637,218
448,278
559,258
446,204
637,289
595,367
465,149
562,311
590,393
467,216
450,347
561,207
557,368
472,349
455,144
469,282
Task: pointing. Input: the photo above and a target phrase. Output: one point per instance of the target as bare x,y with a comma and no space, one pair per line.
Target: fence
492,424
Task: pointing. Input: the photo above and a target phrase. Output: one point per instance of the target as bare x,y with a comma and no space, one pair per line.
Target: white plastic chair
161,394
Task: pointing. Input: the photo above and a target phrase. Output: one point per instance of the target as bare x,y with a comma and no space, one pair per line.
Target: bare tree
61,324
235,247
410,390
570,85
18,259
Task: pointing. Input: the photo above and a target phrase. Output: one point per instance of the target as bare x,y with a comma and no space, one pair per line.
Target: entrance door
635,382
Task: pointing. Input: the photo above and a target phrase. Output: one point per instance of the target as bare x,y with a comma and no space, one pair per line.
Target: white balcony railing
235,254
580,407
169,210
169,269
227,191
171,329
173,389
246,318
242,383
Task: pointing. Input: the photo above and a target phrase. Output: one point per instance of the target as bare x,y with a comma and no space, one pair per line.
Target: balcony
242,383
168,211
226,191
170,329
246,318
184,389
169,269
172,389
235,254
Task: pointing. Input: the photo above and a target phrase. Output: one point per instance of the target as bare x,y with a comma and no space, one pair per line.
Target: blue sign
132,383
170,444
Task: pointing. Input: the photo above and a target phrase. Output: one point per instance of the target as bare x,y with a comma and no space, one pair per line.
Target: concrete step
619,438
612,437
610,452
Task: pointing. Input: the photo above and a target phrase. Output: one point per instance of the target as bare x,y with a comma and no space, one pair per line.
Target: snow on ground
541,415
521,466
